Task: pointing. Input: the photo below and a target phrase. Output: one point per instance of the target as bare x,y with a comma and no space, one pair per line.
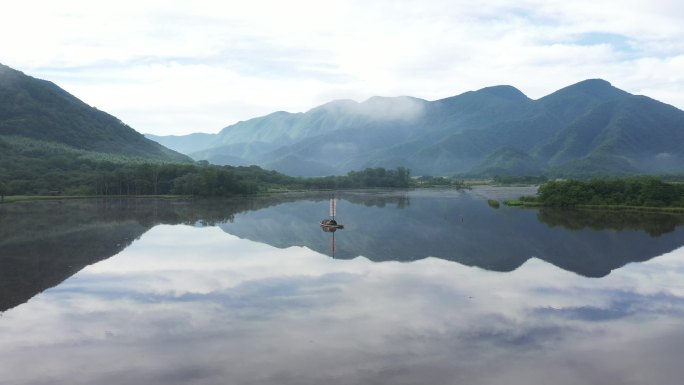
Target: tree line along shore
648,193
53,173
92,178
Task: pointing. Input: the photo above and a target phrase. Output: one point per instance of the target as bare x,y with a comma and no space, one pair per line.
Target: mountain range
590,128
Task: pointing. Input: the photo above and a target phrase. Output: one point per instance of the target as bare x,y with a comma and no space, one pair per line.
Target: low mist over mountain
589,128
37,110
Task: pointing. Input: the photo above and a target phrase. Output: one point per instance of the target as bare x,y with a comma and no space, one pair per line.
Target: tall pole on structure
333,207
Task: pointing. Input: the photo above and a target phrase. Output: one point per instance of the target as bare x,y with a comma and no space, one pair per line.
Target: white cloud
179,67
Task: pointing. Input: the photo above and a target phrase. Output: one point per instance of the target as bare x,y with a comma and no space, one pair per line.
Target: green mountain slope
40,110
507,161
569,103
636,132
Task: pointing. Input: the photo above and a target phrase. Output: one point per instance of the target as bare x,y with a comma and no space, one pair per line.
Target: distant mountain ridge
40,110
588,128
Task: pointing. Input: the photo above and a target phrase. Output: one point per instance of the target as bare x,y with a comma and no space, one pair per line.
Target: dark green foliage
30,167
644,191
380,177
368,178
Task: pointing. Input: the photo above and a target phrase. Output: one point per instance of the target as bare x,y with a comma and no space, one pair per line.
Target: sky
177,67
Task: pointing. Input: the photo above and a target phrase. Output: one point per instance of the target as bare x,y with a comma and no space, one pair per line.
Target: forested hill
40,110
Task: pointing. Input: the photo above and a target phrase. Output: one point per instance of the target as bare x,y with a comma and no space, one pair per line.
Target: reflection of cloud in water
216,309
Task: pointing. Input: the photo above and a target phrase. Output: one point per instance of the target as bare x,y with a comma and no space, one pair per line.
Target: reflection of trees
43,243
36,220
655,224
368,198
398,198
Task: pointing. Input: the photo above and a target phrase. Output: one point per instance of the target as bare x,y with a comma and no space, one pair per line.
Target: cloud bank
176,67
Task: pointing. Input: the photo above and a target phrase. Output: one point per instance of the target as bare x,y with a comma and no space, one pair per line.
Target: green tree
645,191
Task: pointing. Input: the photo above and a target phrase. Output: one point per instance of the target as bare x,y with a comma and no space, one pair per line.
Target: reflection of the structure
333,244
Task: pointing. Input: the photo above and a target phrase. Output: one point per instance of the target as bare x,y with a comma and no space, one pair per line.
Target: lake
420,287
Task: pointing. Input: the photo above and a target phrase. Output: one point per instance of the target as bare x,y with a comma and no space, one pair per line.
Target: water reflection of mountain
462,227
43,243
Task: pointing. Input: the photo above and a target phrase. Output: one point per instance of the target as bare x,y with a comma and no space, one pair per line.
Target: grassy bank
521,203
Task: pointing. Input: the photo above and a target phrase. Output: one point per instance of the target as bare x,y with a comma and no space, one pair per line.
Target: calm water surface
421,287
